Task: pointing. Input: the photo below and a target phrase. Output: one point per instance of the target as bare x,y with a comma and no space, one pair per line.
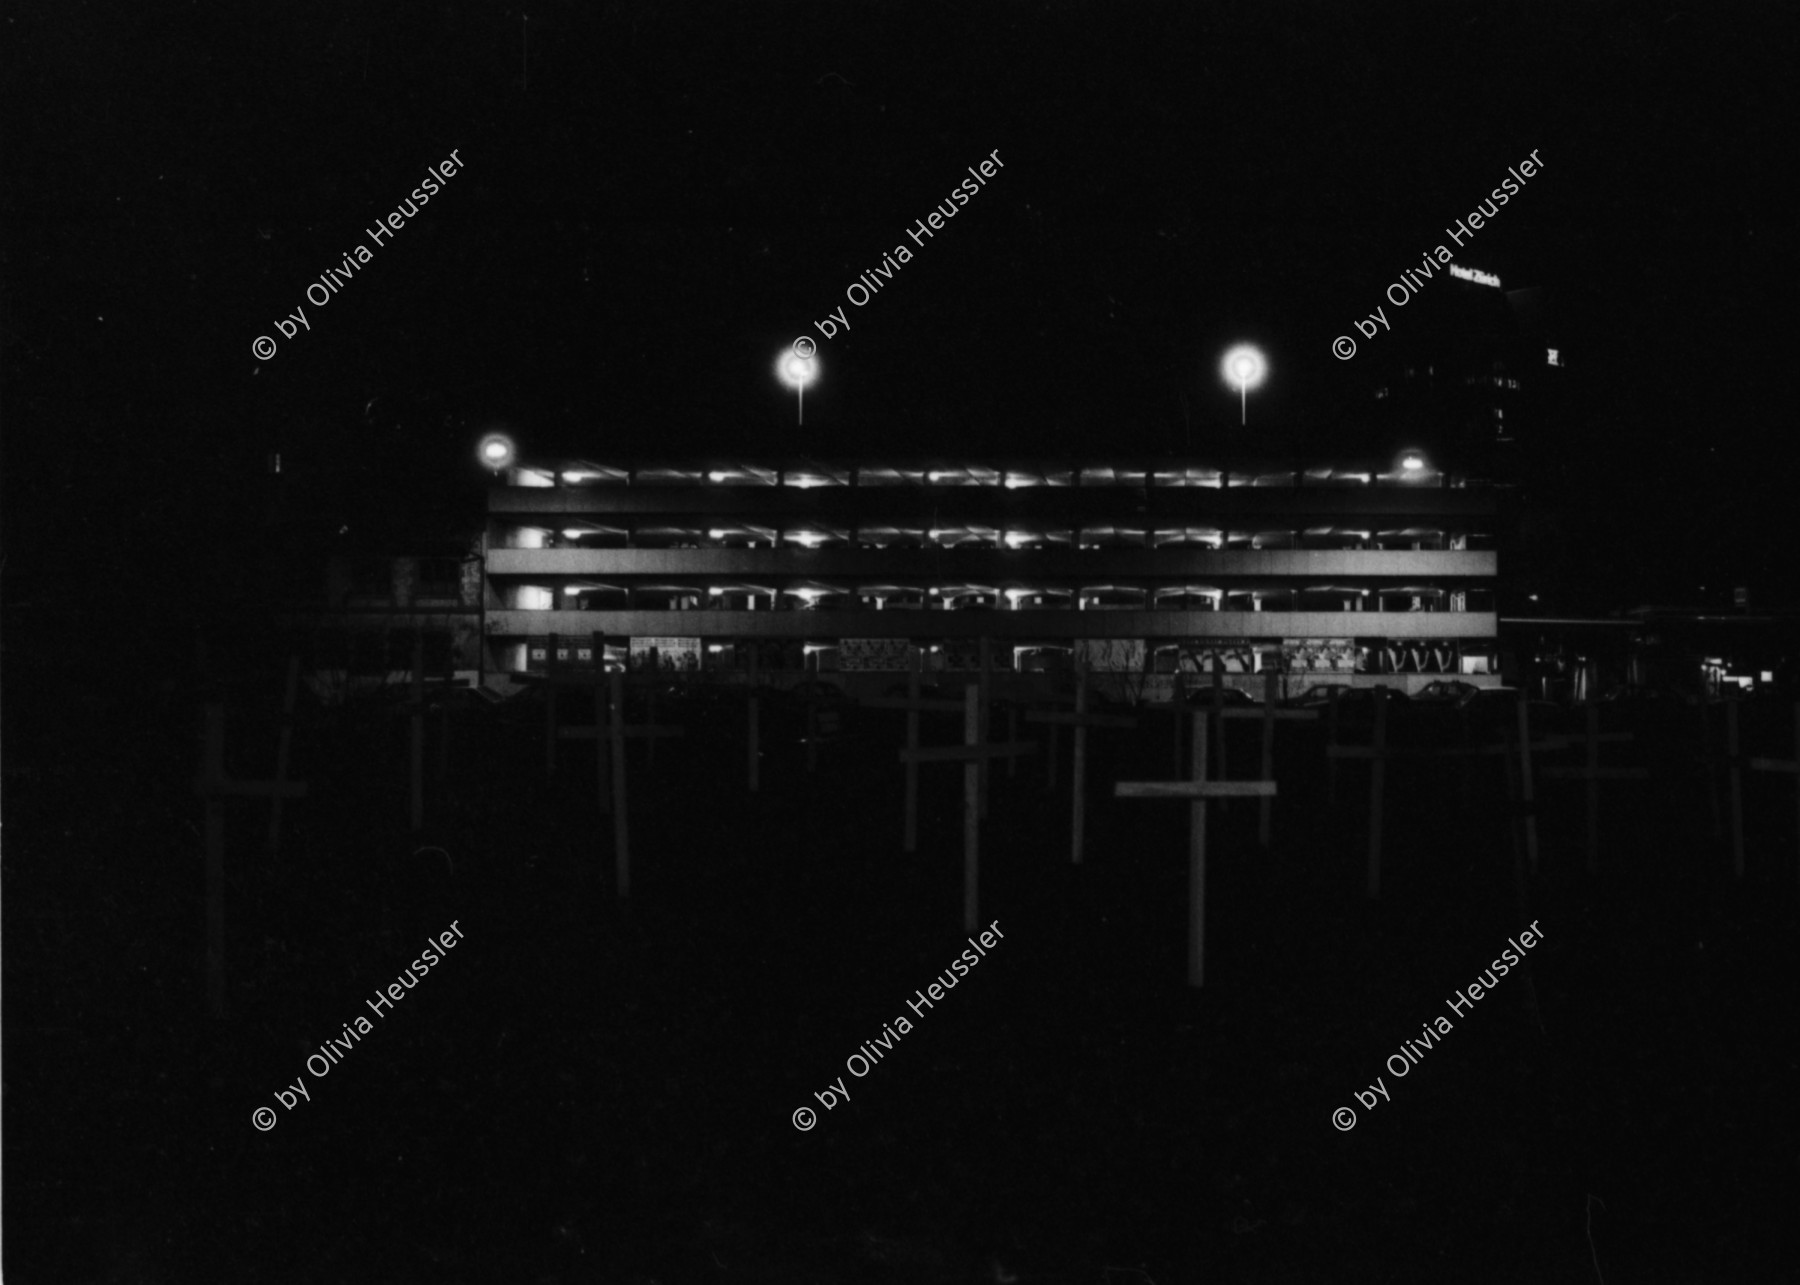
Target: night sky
658,199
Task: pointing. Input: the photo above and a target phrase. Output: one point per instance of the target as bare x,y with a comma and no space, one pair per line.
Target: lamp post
797,372
1245,367
496,452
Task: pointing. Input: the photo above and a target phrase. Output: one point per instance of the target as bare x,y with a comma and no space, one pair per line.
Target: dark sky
659,198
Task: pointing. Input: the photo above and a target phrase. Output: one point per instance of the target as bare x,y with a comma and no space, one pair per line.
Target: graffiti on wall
1318,655
671,653
886,655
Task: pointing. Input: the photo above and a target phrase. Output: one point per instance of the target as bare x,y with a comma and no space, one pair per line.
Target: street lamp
797,372
1245,367
496,451
1412,463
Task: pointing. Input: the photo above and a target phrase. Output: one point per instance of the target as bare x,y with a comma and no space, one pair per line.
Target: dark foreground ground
584,1092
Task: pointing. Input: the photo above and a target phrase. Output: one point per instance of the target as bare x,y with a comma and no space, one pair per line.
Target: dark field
583,1091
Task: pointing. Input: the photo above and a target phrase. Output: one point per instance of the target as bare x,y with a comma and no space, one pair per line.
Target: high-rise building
1474,368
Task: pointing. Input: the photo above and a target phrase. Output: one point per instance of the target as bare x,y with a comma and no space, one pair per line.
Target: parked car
1103,702
1319,695
1356,705
1631,694
1231,697
927,691
1444,692
1314,696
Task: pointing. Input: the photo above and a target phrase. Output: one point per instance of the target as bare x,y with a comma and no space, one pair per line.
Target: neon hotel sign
1476,275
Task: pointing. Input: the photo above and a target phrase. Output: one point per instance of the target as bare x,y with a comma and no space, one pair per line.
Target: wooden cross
819,731
283,745
1377,753
600,695
914,706
609,733
416,708
650,700
650,729
986,688
1593,774
1080,720
607,736
1466,749
1051,704
1736,759
1178,706
1012,734
1519,778
971,754
215,787
754,734
1197,790
810,703
550,681
443,754
1789,766
595,681
1331,740
553,679
1708,770
1267,716
616,732
1216,707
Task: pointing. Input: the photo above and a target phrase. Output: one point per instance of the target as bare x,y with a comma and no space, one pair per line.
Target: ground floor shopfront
1145,668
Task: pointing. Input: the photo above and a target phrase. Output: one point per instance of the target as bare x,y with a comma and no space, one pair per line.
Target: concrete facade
1382,568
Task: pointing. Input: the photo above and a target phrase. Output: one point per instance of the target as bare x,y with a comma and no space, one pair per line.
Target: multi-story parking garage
1340,572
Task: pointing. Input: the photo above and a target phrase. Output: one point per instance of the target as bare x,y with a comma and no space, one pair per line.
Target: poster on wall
964,655
671,653
1318,655
1112,655
1236,655
885,655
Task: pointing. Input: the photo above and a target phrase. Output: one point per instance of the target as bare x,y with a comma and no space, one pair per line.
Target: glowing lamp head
1244,367
1412,462
495,451
797,371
